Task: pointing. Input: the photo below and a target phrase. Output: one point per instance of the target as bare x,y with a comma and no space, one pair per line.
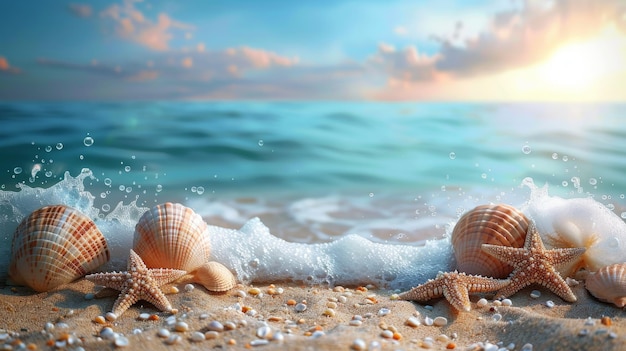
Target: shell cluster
608,284
55,245
487,224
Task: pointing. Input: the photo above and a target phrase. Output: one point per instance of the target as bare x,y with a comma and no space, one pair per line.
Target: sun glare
578,66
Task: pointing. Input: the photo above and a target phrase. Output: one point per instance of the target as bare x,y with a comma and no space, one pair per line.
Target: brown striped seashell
172,236
608,284
55,245
213,276
487,224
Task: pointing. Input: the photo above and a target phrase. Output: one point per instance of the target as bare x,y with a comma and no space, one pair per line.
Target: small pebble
254,291
527,347
163,333
571,282
440,321
210,335
606,321
204,316
355,323
549,303
496,317
121,341
181,327
329,312
583,332
137,331
383,312
331,304
394,297
215,326
317,334
230,326
482,303
589,321
387,334
172,290
358,345
428,321
240,293
110,316
264,332
173,339
98,319
442,338
497,303
612,335
429,307
342,299
189,287
259,342
507,302
107,333
144,316
197,337
278,337
413,322
300,307
535,294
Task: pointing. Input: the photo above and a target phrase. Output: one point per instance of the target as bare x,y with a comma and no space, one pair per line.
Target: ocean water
378,179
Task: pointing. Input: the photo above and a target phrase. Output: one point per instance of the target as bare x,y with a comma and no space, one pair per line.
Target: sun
579,66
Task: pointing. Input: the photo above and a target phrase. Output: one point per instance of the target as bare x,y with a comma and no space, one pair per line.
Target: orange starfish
455,287
137,283
534,264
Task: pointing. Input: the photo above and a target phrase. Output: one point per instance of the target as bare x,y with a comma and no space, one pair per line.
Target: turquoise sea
316,171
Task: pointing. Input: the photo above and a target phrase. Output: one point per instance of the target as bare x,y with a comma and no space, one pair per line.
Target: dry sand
565,326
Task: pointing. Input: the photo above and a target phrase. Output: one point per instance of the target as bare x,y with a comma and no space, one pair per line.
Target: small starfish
455,287
137,283
534,264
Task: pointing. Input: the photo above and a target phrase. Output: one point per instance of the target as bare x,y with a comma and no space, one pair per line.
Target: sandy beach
67,315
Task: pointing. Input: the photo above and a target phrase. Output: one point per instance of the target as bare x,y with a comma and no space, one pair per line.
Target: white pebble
216,326
507,302
181,327
490,347
318,333
527,347
442,338
413,322
259,342
170,321
240,293
429,307
110,316
204,316
48,327
589,321
383,312
387,334
355,323
497,303
264,332
358,345
137,331
121,341
428,321
107,333
440,321
496,317
211,335
549,303
300,307
343,299
144,316
535,294
612,335
583,332
278,336
173,339
197,336
482,303
230,326
189,287
163,333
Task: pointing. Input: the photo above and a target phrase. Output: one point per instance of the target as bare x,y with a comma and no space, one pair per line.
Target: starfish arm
424,292
123,302
112,280
557,285
458,296
156,297
515,285
163,276
503,253
561,256
478,284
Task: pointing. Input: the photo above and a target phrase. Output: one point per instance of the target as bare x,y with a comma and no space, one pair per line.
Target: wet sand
326,323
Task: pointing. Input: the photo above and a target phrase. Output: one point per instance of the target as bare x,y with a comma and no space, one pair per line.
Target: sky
357,50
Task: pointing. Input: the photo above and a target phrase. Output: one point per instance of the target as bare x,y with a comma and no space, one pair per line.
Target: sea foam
258,256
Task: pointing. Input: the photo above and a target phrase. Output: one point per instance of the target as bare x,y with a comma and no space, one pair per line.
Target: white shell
213,276
487,224
172,236
55,245
609,284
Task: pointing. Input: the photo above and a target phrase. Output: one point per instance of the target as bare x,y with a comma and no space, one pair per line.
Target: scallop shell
172,236
609,284
487,224
213,276
55,245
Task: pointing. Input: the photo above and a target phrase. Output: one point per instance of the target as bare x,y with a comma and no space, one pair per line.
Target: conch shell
55,245
171,235
487,224
609,284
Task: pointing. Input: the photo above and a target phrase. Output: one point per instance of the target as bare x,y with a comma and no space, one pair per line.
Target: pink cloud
131,24
80,10
6,67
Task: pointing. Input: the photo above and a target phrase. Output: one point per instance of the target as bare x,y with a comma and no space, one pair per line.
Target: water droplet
261,142
17,170
88,141
623,215
443,188
564,183
593,181
122,188
48,148
565,158
81,157
200,190
159,187
127,169
371,194
555,156
526,149
107,181
103,195
129,189
193,189
483,176
133,157
452,155
106,208
59,146
48,174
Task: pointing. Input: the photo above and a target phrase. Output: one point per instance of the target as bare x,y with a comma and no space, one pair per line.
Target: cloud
80,10
132,72
5,67
516,38
130,23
